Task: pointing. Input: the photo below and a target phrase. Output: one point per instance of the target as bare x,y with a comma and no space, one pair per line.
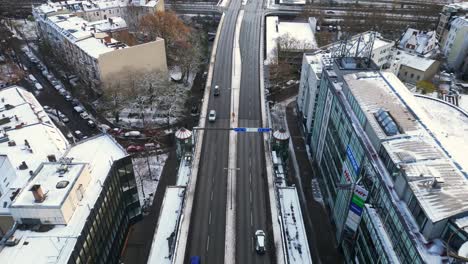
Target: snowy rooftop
34,140
379,42
167,226
184,171
420,40
57,244
82,32
425,145
292,2
90,6
296,238
414,61
301,32
48,177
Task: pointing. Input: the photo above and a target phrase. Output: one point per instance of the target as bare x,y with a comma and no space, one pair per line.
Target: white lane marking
207,243
209,220
251,219
211,196
250,177
250,195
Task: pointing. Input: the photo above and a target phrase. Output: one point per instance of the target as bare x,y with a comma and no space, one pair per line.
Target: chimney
107,39
39,196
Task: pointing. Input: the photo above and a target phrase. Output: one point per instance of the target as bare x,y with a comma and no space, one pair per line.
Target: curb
277,234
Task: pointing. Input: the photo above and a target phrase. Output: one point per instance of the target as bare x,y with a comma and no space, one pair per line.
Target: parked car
62,91
135,148
68,98
260,241
47,108
64,118
75,102
79,109
84,115
78,134
38,86
132,134
58,87
212,116
32,78
91,123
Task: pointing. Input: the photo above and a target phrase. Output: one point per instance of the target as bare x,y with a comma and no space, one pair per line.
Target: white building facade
455,47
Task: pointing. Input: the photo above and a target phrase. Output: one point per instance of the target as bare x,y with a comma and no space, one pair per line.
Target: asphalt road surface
207,227
208,220
253,211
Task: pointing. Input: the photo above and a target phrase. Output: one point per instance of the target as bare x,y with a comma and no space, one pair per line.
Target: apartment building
390,166
418,41
455,47
88,46
60,202
446,16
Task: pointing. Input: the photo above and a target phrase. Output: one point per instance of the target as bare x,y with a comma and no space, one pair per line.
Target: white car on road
212,116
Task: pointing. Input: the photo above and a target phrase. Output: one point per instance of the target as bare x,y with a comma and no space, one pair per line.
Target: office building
412,68
449,12
390,166
60,202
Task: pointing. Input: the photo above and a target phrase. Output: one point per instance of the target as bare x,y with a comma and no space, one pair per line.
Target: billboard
356,206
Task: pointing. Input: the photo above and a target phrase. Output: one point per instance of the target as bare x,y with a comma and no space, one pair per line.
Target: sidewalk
140,235
320,232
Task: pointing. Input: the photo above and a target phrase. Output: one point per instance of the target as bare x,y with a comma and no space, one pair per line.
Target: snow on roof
427,148
34,134
82,32
414,61
184,171
418,39
90,6
57,244
299,31
292,2
48,177
293,226
167,225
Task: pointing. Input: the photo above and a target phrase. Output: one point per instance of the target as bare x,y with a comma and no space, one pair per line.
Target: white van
38,86
32,78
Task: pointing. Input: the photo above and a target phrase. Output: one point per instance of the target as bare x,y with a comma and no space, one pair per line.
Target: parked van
38,86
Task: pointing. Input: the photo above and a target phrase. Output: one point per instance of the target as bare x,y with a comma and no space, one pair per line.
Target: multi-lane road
208,220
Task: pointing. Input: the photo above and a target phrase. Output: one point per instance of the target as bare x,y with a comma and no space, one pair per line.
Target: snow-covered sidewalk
148,170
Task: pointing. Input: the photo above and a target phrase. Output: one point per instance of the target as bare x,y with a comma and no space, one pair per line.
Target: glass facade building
348,150
106,227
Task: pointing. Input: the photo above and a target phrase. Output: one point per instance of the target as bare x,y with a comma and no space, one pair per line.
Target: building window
406,73
418,77
412,75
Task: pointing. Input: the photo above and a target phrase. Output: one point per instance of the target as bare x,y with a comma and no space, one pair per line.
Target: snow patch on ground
147,177
27,28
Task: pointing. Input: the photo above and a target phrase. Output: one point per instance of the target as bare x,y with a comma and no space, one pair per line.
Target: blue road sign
252,129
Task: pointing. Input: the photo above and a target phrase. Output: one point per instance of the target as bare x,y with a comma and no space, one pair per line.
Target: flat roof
185,168
81,32
90,6
167,226
57,244
293,226
297,30
42,136
48,177
428,147
414,61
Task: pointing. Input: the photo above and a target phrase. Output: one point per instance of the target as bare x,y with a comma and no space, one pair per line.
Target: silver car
260,241
212,116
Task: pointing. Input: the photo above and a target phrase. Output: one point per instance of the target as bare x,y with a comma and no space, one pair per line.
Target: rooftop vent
23,166
62,168
39,196
62,184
